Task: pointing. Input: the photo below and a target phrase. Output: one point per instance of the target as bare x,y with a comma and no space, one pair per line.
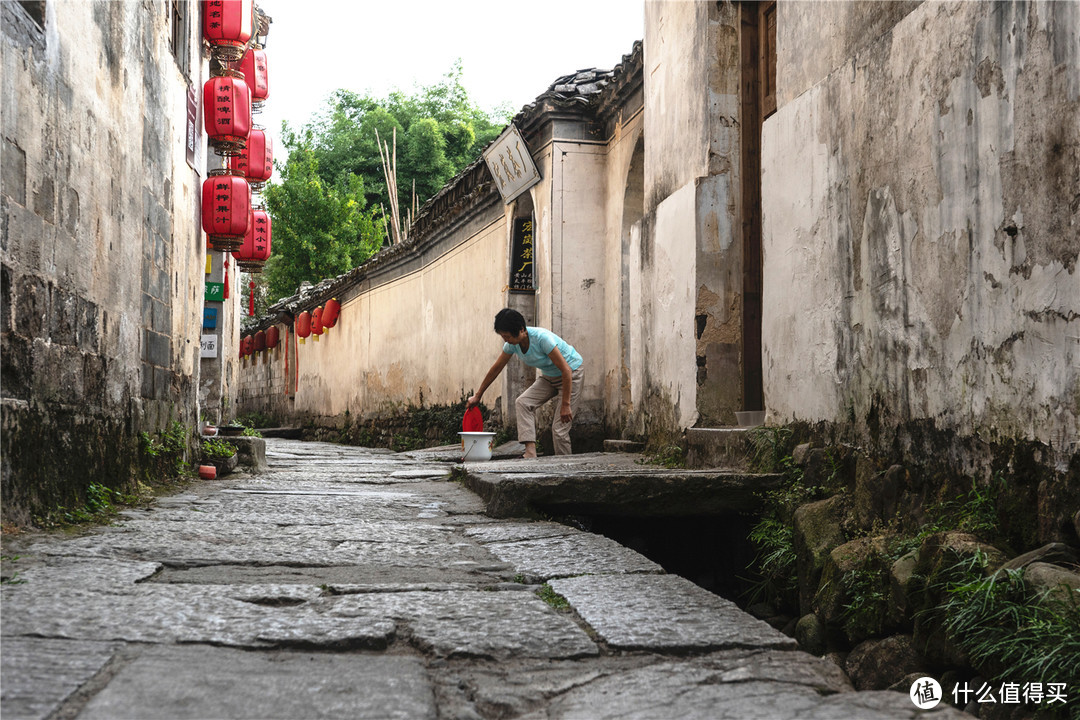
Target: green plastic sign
215,292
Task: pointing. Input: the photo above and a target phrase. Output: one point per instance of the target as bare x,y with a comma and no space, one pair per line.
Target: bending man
561,375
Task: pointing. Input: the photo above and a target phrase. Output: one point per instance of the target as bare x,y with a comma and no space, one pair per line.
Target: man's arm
496,368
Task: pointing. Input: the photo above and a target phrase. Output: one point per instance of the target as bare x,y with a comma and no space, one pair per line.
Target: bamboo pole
390,174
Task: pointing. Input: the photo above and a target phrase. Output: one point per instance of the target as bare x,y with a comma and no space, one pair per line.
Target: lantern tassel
226,277
251,302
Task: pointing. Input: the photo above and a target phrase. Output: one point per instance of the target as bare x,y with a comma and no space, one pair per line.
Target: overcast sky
511,51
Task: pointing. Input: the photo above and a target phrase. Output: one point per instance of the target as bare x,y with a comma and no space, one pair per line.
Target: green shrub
217,449
775,563
256,419
164,452
770,449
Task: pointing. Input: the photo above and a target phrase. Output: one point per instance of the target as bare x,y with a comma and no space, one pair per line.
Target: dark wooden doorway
757,101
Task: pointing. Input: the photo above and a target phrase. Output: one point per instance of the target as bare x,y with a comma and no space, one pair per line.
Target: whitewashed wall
921,224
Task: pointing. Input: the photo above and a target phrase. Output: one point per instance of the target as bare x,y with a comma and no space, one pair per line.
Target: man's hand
472,402
564,412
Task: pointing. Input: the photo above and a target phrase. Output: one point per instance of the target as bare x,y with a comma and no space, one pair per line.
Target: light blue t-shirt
541,343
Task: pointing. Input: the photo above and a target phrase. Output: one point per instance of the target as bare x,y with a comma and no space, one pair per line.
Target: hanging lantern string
251,302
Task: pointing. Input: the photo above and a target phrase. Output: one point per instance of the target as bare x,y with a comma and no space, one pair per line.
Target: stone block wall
266,379
100,259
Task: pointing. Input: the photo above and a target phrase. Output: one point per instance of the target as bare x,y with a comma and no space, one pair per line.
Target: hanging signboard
521,256
510,163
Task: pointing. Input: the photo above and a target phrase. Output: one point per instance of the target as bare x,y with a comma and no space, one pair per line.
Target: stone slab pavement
354,583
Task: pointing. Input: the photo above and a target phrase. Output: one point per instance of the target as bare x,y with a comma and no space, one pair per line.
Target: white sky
511,51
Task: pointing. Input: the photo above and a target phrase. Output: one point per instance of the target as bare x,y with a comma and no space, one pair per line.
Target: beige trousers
539,393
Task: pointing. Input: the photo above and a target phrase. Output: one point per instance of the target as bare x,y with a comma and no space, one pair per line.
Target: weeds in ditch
866,589
1010,633
773,535
775,563
669,456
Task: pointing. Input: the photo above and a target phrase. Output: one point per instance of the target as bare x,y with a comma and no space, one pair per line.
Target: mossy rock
817,527
811,635
843,601
874,664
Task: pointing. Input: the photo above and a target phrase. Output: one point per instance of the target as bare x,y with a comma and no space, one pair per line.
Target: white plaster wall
668,283
921,235
617,316
424,338
692,248
677,114
578,188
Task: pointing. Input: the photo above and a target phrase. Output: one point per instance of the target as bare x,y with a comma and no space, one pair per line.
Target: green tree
329,200
320,229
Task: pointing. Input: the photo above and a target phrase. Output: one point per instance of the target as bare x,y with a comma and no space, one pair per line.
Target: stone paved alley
355,583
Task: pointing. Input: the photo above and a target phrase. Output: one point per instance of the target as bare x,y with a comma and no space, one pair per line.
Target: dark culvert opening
712,551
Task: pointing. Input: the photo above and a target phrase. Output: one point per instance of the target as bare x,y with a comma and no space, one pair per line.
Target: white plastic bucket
476,445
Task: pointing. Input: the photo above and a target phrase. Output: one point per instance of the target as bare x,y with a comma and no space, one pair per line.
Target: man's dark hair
510,321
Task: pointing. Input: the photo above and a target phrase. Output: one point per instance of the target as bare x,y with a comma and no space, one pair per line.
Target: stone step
725,447
615,484
624,446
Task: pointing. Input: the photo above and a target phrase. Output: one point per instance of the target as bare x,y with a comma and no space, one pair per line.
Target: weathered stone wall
101,255
269,377
922,224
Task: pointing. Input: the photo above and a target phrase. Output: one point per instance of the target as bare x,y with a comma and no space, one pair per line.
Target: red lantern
227,27
260,341
226,209
330,313
256,247
254,69
227,112
316,323
303,325
272,337
249,344
256,160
